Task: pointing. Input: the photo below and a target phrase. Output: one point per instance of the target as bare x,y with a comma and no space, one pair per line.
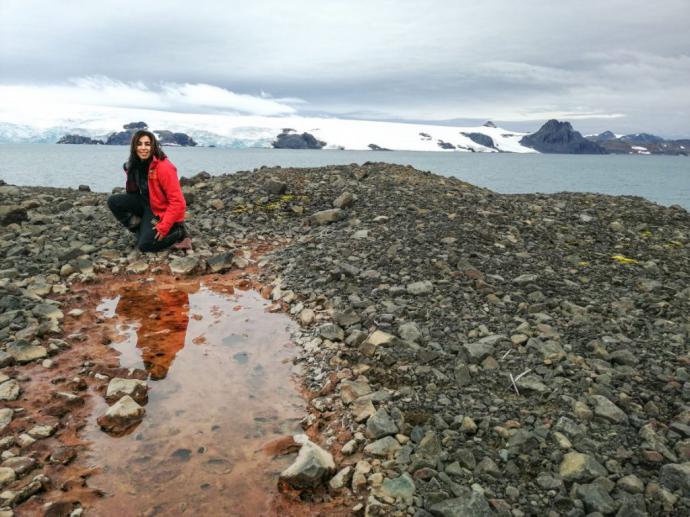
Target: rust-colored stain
218,426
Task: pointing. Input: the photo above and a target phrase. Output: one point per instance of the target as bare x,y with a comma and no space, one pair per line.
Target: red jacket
165,195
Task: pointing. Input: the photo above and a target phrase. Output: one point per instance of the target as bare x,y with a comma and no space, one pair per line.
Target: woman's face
144,148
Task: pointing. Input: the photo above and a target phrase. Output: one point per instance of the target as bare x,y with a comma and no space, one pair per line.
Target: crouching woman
153,206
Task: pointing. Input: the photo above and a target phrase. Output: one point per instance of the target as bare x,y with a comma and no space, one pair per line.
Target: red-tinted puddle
221,388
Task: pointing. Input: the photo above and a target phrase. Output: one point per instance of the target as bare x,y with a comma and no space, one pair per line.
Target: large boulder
560,137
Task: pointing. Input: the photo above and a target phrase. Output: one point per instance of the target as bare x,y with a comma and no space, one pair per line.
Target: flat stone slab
10,390
25,353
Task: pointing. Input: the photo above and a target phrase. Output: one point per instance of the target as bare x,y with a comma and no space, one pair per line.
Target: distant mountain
640,143
641,139
243,131
602,137
560,137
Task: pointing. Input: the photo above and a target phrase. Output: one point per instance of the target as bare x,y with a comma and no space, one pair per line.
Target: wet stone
9,390
20,464
183,265
121,416
41,431
6,415
311,467
7,476
135,388
24,352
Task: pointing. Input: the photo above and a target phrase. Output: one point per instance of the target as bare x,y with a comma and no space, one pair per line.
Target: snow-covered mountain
239,131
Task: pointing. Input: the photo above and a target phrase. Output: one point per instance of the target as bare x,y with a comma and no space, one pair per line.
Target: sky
615,65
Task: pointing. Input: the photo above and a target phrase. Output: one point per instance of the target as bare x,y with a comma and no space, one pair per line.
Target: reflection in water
223,391
161,319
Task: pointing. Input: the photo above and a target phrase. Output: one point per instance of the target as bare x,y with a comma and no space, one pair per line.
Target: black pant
124,206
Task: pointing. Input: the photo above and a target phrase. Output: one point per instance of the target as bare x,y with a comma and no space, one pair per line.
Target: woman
153,206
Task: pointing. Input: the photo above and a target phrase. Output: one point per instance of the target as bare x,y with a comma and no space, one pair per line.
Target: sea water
662,179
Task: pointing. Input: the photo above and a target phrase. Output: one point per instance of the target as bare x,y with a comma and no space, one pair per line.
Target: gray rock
351,390
596,498
380,424
478,351
576,466
221,262
420,288
135,388
462,375
184,265
343,200
6,415
383,447
527,278
409,332
121,416
311,467
341,479
676,476
471,504
607,410
23,352
327,216
7,476
10,390
401,489
332,332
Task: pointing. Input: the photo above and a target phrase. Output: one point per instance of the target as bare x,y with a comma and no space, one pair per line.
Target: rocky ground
468,353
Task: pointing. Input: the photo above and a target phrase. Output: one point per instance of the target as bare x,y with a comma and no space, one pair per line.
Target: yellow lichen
624,260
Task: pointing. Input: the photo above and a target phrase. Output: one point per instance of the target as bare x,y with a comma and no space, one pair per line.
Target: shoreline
419,298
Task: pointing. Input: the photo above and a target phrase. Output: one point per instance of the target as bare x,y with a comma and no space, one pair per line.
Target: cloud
101,91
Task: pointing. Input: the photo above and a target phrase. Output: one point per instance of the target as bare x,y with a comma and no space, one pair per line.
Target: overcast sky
620,65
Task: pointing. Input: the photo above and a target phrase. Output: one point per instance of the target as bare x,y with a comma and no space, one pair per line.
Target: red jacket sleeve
167,177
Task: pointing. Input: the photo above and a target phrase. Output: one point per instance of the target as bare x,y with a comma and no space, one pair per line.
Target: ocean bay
662,179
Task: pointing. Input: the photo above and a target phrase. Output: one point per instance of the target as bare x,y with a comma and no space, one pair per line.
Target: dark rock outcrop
164,136
375,147
136,125
560,137
481,139
488,123
445,145
79,139
169,138
288,140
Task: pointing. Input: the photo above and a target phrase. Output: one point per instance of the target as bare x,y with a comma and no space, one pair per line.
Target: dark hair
156,149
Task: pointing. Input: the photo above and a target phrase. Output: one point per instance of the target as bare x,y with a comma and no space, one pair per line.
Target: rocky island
125,137
465,353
